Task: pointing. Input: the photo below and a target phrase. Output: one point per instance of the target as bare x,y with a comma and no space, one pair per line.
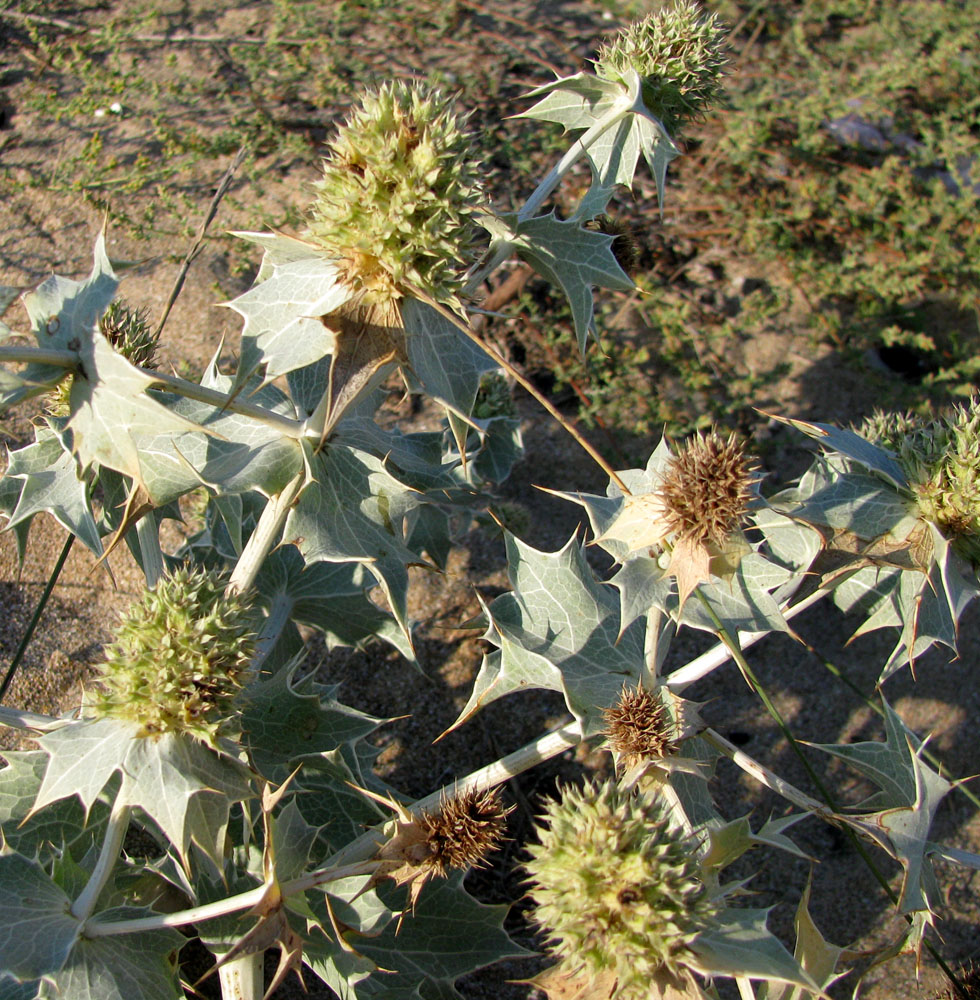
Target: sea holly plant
208,785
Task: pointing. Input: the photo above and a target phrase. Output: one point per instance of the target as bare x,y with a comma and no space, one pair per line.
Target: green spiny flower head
129,334
678,53
616,884
178,657
942,461
396,202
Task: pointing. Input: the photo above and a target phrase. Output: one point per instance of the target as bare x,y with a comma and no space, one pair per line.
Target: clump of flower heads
396,202
128,332
678,53
941,459
640,727
178,657
706,489
616,886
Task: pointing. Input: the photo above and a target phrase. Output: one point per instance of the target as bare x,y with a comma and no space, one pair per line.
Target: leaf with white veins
574,258
184,786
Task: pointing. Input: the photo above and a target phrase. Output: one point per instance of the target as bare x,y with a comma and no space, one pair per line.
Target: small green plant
256,785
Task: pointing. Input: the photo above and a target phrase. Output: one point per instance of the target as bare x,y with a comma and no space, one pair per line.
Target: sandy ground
45,233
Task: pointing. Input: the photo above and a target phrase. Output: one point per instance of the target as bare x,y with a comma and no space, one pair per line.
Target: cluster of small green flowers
942,461
178,658
396,202
678,53
616,884
129,333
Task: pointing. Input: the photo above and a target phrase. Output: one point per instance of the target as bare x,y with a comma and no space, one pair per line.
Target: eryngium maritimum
178,657
678,53
707,488
615,884
396,202
942,461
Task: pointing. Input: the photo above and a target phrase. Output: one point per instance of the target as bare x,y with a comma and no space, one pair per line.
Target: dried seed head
178,657
396,202
678,52
968,980
640,726
706,489
616,885
624,246
464,831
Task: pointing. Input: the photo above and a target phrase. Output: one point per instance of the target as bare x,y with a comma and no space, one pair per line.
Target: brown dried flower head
707,488
640,726
464,830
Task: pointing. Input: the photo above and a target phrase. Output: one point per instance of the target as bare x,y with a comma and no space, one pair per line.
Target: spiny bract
615,884
178,657
396,202
678,54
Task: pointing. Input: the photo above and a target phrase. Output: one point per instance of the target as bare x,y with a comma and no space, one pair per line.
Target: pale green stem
541,749
16,718
554,177
225,907
172,383
233,403
148,533
265,536
358,857
762,774
39,355
115,833
702,665
243,977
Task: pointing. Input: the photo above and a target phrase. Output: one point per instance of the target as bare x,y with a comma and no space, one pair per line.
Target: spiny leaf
296,285
37,932
447,364
331,597
111,411
59,826
51,483
449,935
846,442
283,720
580,102
742,945
904,807
568,255
185,787
558,630
63,313
353,511
122,966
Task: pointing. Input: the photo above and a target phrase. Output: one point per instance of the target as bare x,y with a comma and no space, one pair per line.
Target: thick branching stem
764,776
265,536
548,184
115,833
357,858
704,664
